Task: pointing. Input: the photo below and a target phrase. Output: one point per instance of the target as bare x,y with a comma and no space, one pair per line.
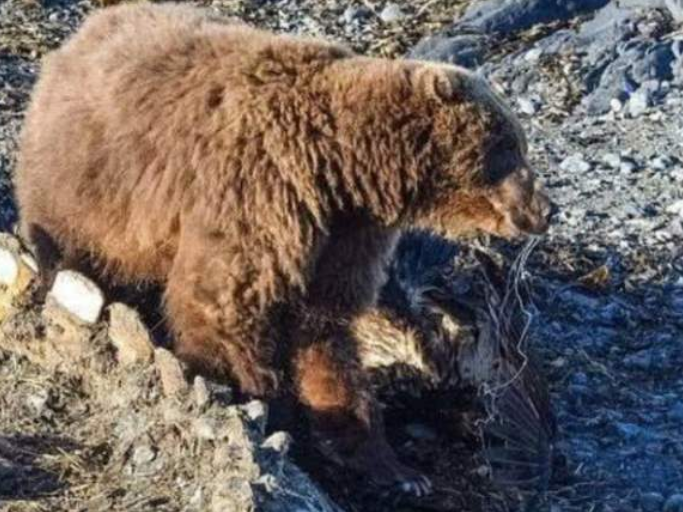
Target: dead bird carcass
449,340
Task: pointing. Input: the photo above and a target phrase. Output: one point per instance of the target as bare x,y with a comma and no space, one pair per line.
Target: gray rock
676,9
170,372
576,164
639,103
674,503
527,106
510,16
129,335
463,50
391,13
661,163
612,160
628,166
279,442
356,13
652,502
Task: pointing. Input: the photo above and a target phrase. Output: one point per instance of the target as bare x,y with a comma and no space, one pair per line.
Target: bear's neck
383,137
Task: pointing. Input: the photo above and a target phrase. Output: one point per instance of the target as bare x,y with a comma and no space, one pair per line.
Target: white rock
280,442
533,55
527,106
78,295
200,391
627,167
391,13
616,105
612,160
661,163
639,102
575,163
9,267
129,335
676,208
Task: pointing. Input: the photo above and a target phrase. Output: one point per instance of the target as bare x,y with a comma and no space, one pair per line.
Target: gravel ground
600,95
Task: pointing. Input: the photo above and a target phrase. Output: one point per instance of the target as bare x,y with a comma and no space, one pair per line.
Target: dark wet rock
464,50
507,17
674,503
651,502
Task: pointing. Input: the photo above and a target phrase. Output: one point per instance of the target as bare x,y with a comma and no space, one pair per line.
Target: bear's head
479,178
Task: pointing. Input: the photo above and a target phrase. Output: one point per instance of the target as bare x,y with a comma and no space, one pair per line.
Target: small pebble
391,13
527,106
129,335
575,163
661,163
202,397
257,411
676,208
279,442
205,428
639,102
143,455
628,167
354,14
612,160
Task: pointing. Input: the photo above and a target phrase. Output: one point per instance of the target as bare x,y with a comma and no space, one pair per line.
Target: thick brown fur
248,172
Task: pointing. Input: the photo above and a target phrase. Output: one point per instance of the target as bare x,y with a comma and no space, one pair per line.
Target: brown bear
262,181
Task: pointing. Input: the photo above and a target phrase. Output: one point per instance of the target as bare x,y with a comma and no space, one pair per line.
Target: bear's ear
438,83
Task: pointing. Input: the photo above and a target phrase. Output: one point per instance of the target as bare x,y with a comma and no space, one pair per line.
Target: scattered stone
171,372
391,13
202,397
676,208
639,103
279,442
38,400
354,14
205,428
674,503
15,276
143,455
77,295
527,106
129,335
575,164
257,411
628,166
651,502
612,160
661,163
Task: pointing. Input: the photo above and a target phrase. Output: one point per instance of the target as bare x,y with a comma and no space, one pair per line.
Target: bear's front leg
221,314
330,380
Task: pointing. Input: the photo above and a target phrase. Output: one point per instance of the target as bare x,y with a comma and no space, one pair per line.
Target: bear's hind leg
220,321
